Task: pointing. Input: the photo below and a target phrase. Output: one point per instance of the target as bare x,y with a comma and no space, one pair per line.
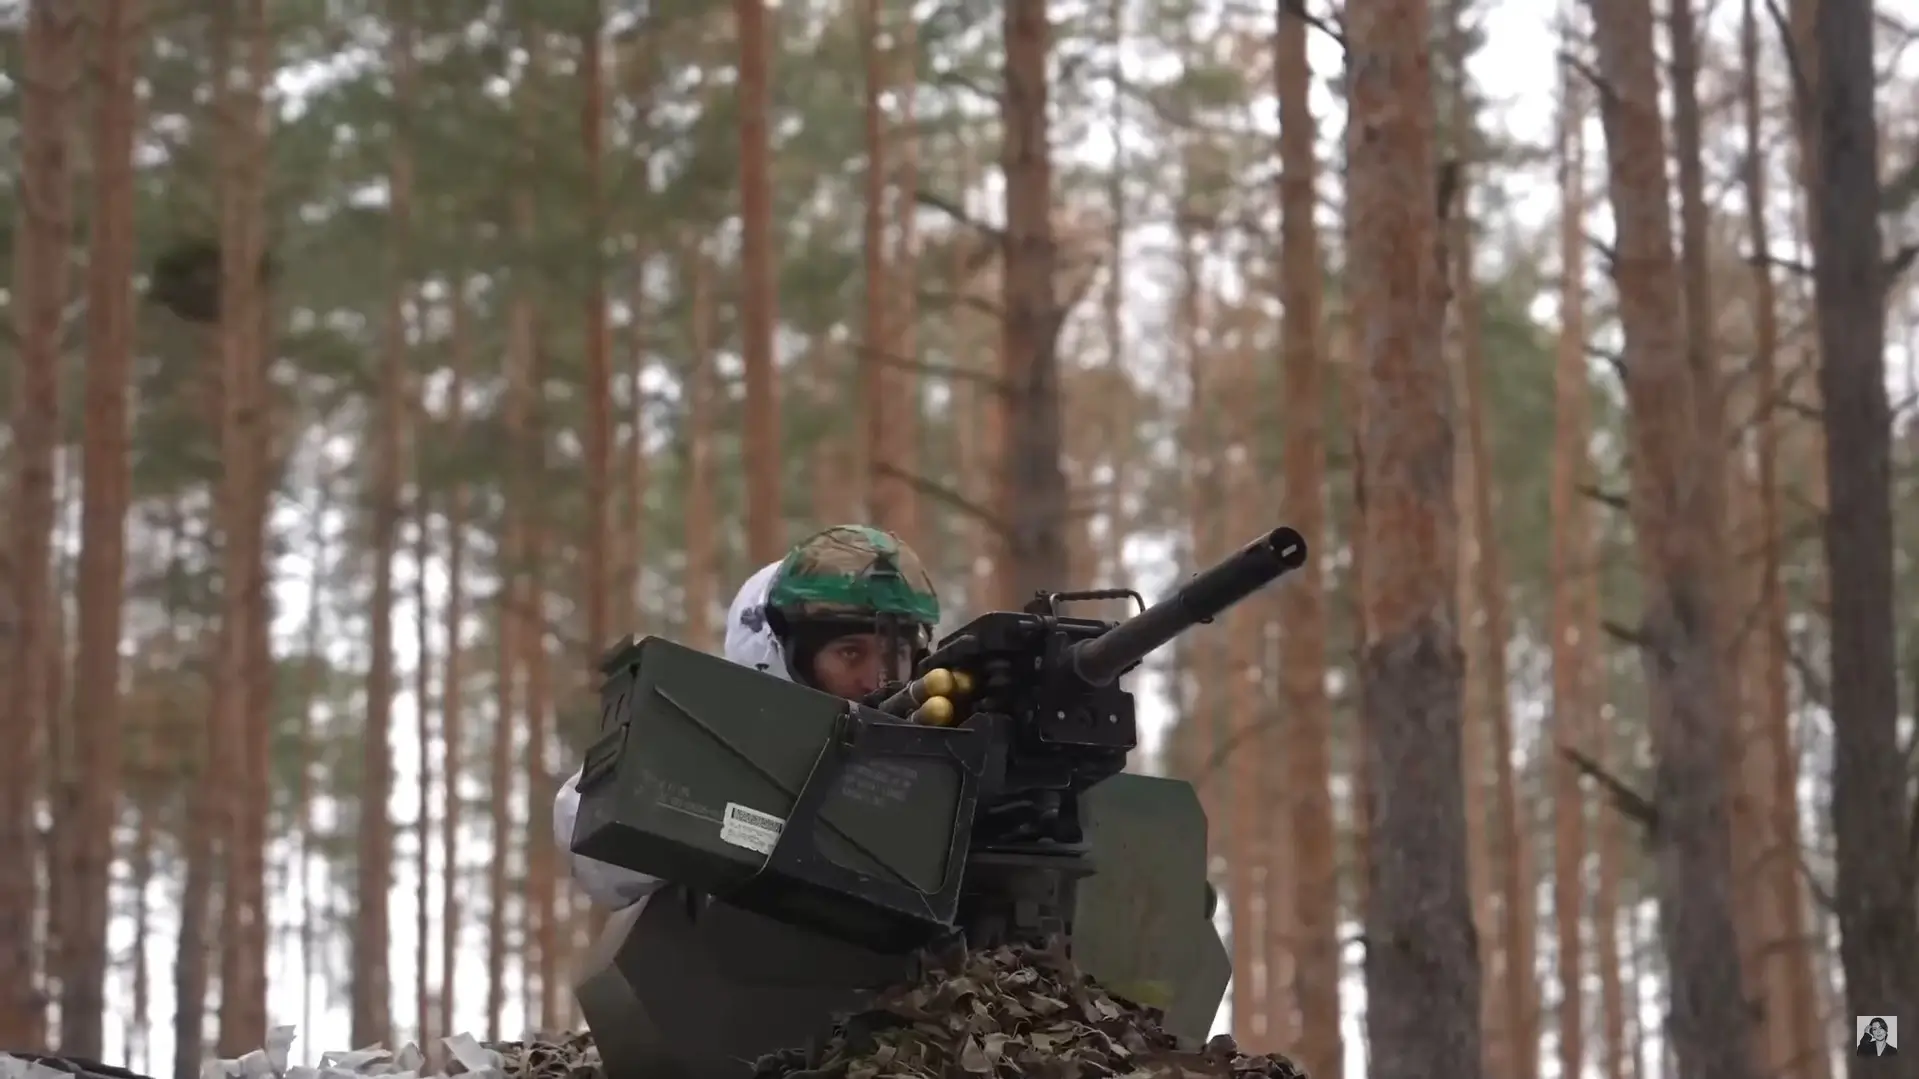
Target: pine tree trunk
520,623
1114,570
506,699
1346,363
241,684
1574,724
1302,603
886,486
1495,849
542,947
765,524
107,493
636,474
701,574
980,414
1873,889
1033,485
139,1019
1803,1040
453,674
1259,1006
62,778
1422,966
41,272
423,740
305,827
372,985
198,945
1578,674
1744,752
903,259
597,580
1674,492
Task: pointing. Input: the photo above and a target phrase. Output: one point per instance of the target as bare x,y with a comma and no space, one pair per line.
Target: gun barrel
1256,565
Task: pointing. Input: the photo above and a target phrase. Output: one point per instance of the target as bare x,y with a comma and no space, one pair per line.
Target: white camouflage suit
750,643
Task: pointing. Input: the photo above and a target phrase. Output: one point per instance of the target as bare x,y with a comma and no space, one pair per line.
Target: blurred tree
93,807
1675,484
44,205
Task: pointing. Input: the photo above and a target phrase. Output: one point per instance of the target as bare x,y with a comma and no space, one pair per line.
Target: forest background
376,354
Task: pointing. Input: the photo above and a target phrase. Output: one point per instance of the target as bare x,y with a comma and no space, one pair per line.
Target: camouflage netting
1010,1013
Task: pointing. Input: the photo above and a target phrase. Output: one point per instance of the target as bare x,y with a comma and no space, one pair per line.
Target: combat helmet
852,579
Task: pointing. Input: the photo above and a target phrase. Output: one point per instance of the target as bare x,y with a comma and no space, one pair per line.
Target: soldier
846,611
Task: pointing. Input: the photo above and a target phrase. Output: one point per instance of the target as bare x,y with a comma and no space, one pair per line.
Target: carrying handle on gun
1256,565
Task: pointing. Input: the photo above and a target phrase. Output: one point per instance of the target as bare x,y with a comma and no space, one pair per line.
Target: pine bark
541,944
372,1011
1033,495
1302,603
886,478
1422,963
422,738
903,269
597,583
1578,686
41,282
243,685
1675,492
765,524
1801,1035
1574,724
453,673
107,493
306,828
701,578
1507,879
1873,887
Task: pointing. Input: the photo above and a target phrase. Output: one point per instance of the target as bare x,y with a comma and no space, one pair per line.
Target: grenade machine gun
985,797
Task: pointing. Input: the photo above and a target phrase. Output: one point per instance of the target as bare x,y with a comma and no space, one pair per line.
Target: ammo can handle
1256,565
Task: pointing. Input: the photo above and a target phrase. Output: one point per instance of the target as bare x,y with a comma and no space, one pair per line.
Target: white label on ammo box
750,828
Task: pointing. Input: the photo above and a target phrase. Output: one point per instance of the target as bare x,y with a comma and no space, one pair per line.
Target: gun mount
977,799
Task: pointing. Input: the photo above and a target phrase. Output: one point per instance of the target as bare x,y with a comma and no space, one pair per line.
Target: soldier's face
851,666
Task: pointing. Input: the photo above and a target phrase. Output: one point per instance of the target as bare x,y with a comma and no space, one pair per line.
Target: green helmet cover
857,572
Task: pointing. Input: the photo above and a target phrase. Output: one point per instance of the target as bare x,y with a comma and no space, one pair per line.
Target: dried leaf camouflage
1011,1013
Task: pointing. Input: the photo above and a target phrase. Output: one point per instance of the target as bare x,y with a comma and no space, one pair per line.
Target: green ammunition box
698,768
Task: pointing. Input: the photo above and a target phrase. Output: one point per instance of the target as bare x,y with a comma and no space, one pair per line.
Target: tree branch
1604,498
1898,264
934,201
1814,682
961,299
941,493
1630,803
1586,71
1625,634
1801,86
936,370
1297,9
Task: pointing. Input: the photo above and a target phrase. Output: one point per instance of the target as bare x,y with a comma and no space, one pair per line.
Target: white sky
1516,69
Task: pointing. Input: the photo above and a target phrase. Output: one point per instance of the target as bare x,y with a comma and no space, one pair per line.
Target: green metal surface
1141,926
679,987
